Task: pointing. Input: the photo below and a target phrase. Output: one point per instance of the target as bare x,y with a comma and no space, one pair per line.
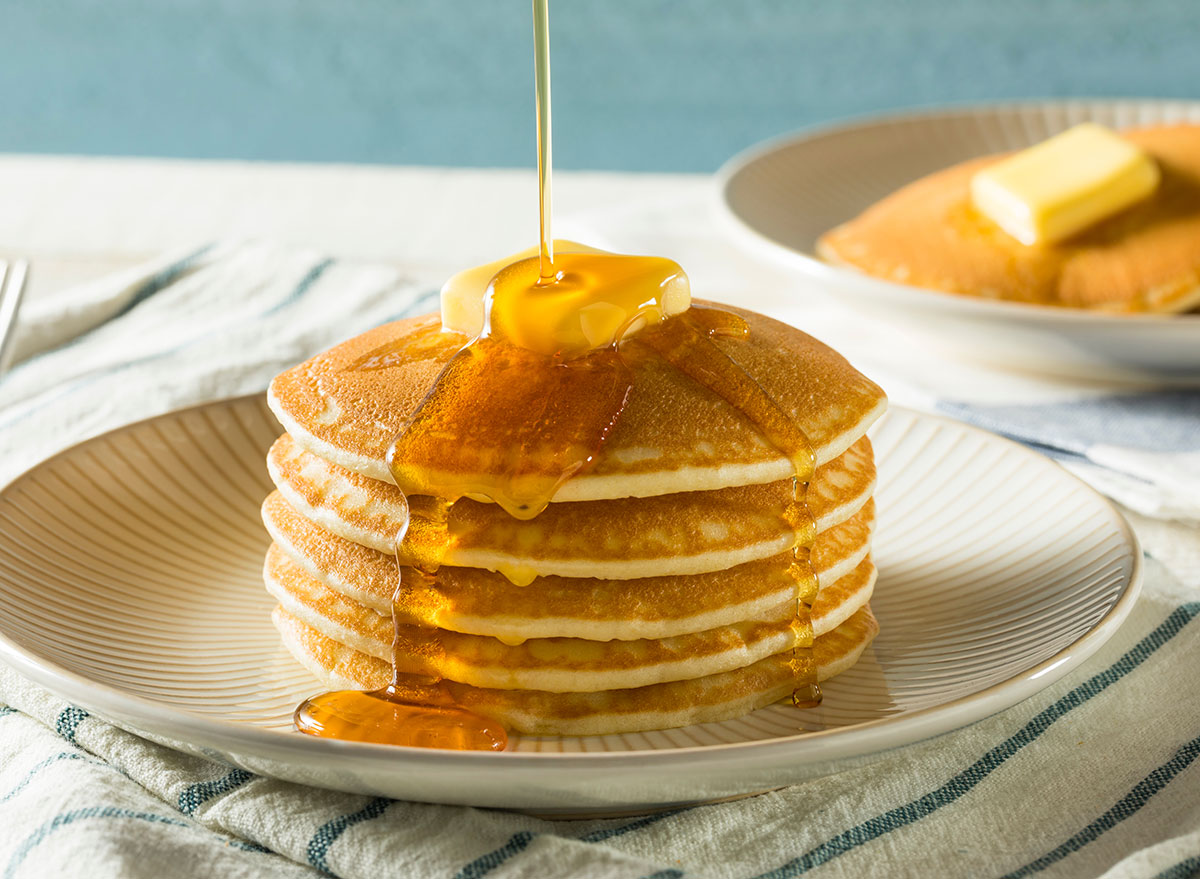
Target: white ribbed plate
780,196
130,585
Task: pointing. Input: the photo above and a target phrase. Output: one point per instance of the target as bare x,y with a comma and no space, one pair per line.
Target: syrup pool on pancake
529,403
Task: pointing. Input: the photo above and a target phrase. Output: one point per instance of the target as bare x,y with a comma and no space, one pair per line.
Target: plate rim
814,268
862,740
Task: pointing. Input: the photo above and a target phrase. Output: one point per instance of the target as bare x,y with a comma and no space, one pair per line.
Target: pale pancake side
1146,258
686,533
674,435
659,706
480,602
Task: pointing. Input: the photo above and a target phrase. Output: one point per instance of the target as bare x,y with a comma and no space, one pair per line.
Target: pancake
1144,259
674,435
558,664
686,533
539,712
480,602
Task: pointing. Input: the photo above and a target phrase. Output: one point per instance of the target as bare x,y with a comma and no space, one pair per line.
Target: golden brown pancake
674,435
685,533
540,712
481,602
558,664
1146,258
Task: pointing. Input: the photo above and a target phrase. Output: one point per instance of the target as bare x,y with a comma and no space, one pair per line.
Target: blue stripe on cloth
250,847
66,818
670,873
484,864
195,795
1162,421
609,833
966,780
310,277
157,282
318,847
5,711
49,761
420,302
519,841
67,722
1185,869
1125,808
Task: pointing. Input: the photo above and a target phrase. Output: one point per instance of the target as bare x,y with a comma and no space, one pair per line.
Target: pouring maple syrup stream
557,334
545,146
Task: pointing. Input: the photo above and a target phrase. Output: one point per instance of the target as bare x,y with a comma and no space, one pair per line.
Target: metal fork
12,290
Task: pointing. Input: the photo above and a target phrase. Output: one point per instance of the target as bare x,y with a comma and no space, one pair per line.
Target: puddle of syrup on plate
519,410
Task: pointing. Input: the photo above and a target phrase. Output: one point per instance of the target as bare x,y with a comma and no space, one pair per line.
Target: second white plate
779,197
130,584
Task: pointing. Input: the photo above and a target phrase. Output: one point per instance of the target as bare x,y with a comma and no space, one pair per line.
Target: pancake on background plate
1143,259
651,593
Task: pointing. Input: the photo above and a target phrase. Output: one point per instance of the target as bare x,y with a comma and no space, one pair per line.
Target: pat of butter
1064,185
598,299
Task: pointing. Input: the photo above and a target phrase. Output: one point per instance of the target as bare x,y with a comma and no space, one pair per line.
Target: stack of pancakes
655,589
1143,259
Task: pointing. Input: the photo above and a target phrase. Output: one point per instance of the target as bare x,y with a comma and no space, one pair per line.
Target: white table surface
79,217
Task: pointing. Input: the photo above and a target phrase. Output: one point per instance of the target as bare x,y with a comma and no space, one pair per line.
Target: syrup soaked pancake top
347,405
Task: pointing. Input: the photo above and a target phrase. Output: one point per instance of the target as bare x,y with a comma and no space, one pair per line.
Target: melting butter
1064,185
592,299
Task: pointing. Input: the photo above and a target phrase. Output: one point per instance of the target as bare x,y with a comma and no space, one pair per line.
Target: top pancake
1145,259
347,405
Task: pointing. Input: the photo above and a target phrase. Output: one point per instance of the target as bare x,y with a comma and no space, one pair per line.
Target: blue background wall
638,84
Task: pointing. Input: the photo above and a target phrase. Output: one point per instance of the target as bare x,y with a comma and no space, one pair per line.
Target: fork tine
13,277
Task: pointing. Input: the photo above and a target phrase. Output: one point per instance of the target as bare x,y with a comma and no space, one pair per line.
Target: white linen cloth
1096,776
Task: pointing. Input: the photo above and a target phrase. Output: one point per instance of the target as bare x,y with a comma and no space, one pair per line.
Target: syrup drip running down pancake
1144,259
